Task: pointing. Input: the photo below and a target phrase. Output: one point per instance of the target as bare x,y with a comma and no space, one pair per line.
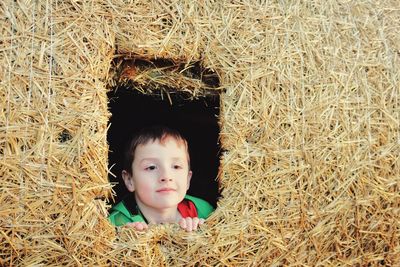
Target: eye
151,168
176,166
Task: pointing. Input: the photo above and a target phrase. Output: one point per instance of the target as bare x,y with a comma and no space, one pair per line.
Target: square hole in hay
144,96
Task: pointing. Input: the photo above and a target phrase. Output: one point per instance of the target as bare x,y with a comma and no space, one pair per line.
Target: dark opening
196,119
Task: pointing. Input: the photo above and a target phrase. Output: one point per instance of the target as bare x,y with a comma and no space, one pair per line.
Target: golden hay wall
309,120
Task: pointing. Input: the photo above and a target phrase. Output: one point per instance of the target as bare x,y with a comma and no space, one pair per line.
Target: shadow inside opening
195,119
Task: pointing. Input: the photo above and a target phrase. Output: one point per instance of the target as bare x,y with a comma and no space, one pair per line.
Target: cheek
143,181
143,184
184,179
144,191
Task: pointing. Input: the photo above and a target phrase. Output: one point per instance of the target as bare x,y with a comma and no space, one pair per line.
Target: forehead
167,145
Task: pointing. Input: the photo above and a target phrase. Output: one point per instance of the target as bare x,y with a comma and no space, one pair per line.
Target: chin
169,203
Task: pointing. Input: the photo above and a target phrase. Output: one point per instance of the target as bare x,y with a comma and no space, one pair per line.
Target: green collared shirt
127,211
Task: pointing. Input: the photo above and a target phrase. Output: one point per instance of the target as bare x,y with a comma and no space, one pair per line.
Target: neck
157,216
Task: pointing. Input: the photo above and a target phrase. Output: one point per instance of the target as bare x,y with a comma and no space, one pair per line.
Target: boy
157,172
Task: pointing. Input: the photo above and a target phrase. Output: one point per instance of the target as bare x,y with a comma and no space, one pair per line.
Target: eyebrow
156,159
147,159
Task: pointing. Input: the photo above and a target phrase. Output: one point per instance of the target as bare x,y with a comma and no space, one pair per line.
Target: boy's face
160,174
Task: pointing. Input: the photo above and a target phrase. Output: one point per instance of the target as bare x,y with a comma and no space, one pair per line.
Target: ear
128,180
188,179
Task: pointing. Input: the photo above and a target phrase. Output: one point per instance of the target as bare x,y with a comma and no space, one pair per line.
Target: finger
130,225
139,226
195,223
182,223
189,224
142,226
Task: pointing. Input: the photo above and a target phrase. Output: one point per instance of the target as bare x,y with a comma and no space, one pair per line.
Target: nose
165,176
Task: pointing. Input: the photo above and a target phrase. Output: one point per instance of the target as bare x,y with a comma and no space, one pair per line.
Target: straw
310,112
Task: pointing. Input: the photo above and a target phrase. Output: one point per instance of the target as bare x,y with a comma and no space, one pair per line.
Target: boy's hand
140,226
190,224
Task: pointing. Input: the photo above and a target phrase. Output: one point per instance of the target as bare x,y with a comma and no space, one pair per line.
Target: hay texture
310,113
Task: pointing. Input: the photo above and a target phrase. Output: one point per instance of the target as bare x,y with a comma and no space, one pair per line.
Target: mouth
165,190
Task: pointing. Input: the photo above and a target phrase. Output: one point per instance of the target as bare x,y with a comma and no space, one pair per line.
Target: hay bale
309,121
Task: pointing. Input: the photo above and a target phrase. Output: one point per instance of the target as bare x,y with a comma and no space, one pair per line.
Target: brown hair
146,135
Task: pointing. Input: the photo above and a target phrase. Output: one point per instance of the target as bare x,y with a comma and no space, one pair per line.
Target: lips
165,190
